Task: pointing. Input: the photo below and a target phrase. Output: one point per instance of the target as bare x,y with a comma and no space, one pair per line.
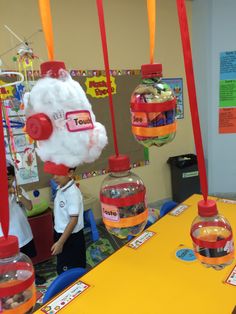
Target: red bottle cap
9,246
39,126
51,68
151,70
207,209
56,169
119,163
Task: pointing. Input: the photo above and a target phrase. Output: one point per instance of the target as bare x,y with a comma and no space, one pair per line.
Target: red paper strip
4,205
107,70
192,95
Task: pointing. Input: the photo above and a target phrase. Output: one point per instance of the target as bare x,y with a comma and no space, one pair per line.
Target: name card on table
231,279
140,240
224,200
66,297
178,210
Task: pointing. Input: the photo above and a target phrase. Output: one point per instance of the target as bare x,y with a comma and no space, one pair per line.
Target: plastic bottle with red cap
212,237
123,199
39,126
17,287
153,108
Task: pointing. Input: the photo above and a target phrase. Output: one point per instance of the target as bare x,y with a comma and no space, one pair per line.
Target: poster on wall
227,102
176,84
20,150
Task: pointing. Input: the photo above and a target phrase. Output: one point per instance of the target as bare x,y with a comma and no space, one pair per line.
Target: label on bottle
79,120
139,119
110,212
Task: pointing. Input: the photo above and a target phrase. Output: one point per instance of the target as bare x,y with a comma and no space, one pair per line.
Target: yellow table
152,280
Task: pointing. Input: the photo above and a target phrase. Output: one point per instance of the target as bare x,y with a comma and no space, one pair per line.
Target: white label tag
224,200
140,240
231,280
178,210
190,174
62,300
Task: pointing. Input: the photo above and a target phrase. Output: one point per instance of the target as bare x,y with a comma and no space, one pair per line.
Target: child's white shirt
18,222
68,203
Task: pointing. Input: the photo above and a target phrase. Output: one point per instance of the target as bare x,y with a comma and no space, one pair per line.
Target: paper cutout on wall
97,86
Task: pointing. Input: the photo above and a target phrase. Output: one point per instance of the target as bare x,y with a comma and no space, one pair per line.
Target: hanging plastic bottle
212,237
153,108
122,197
17,288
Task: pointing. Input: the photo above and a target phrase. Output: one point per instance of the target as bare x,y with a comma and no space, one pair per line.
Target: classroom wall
77,42
215,34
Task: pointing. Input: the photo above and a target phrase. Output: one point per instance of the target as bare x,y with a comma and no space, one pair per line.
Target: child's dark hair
10,170
72,169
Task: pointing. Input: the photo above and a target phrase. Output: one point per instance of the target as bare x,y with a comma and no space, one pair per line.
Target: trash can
184,176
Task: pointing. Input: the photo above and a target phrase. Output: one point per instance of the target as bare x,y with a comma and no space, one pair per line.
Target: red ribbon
107,70
21,285
153,107
209,244
4,205
192,95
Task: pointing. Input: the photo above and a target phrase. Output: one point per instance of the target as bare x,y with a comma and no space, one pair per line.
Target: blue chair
63,281
90,222
166,207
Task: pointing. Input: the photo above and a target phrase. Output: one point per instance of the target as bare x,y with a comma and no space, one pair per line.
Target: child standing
19,225
69,246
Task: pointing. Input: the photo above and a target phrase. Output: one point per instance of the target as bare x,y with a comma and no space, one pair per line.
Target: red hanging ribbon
107,70
4,205
192,95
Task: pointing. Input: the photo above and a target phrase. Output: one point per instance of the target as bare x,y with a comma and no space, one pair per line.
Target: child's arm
27,204
58,246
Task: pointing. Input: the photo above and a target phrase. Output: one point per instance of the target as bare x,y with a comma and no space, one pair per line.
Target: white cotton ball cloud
56,98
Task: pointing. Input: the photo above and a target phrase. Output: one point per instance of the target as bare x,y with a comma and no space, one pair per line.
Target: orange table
152,280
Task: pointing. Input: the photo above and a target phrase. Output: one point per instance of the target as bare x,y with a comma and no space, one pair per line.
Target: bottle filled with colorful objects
153,108
17,287
122,197
212,237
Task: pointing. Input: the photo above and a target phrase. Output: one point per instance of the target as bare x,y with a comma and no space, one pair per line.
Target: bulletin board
123,83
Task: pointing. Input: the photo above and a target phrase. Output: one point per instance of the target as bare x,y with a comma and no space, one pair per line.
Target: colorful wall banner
227,103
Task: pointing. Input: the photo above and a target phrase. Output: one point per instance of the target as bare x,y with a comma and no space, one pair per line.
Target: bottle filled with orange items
212,237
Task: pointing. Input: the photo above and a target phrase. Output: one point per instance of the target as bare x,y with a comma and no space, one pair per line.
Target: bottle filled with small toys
123,199
153,108
212,237
17,287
